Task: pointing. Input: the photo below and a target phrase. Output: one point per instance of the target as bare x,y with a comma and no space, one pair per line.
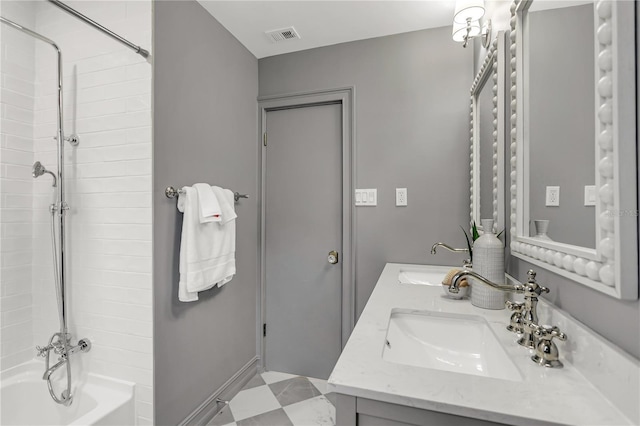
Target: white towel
227,202
207,250
209,207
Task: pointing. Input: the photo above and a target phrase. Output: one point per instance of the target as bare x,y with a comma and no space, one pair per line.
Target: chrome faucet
465,263
455,283
524,319
84,345
53,368
529,318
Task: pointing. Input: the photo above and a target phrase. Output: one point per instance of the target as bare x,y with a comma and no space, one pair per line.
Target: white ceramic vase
488,261
542,226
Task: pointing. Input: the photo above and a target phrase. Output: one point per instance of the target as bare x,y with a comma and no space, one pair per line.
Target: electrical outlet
590,196
553,196
401,196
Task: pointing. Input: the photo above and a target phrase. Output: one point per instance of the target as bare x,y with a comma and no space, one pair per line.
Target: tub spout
53,368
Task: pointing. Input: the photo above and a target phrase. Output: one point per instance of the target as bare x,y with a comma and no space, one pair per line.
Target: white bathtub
98,400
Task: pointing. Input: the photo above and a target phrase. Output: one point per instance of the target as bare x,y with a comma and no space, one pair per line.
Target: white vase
488,261
542,226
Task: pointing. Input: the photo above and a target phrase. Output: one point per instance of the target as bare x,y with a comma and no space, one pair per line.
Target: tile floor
280,399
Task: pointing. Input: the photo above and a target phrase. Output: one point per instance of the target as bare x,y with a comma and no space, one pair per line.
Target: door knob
333,257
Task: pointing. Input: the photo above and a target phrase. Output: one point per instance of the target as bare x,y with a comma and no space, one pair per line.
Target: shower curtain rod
139,50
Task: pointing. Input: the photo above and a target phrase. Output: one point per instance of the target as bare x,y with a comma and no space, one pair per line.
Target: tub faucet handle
43,350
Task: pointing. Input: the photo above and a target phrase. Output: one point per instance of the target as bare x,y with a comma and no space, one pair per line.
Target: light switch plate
553,196
366,197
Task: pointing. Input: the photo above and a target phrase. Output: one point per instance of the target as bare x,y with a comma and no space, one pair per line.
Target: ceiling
323,23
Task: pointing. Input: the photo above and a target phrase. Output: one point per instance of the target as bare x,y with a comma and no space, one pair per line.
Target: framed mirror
573,141
487,137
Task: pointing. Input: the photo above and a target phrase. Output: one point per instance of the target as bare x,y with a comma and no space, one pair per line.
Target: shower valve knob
42,351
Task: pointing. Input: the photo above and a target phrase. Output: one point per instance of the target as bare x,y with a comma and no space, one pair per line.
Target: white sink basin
444,341
427,275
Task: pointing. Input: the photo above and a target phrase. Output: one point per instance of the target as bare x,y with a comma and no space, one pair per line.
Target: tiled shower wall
107,102
16,157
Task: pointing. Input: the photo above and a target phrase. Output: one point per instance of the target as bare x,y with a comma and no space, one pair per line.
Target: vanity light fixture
466,22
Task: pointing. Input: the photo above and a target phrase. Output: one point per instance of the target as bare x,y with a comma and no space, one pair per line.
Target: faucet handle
547,332
532,275
42,351
546,351
532,287
514,306
515,323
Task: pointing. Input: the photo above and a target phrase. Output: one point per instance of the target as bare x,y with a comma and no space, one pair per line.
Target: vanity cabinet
352,411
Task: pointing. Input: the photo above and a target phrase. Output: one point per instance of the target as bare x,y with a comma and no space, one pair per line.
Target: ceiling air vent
282,34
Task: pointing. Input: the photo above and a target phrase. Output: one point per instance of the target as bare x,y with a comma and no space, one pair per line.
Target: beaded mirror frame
612,267
491,74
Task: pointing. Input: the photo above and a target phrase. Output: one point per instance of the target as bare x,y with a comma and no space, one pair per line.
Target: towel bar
171,192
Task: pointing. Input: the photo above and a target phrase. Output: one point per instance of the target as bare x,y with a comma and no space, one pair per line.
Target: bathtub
98,400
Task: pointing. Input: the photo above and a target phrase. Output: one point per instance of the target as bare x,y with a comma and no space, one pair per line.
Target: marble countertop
545,396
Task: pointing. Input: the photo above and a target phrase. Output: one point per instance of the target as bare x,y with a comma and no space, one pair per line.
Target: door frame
345,96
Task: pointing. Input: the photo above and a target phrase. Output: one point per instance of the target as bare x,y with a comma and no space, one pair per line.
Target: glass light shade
468,9
460,31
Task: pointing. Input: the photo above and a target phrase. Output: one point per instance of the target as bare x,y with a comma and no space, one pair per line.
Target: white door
303,224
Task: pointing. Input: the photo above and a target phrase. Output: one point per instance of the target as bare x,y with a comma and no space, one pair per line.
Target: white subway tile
15,259
23,244
120,232
17,316
17,301
17,157
20,100
139,103
16,358
16,142
120,340
22,84
15,216
139,135
115,90
143,421
144,409
127,279
16,128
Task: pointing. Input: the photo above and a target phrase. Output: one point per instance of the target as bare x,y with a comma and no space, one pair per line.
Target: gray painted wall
412,115
206,84
561,103
616,320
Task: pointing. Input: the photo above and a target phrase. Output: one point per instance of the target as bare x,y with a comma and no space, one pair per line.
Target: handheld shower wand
39,170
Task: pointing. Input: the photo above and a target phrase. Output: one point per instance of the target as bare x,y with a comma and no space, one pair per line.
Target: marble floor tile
254,382
251,402
273,376
320,384
316,411
294,390
272,418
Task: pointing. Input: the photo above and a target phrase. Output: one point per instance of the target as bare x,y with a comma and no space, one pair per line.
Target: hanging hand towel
207,250
227,203
209,207
228,216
